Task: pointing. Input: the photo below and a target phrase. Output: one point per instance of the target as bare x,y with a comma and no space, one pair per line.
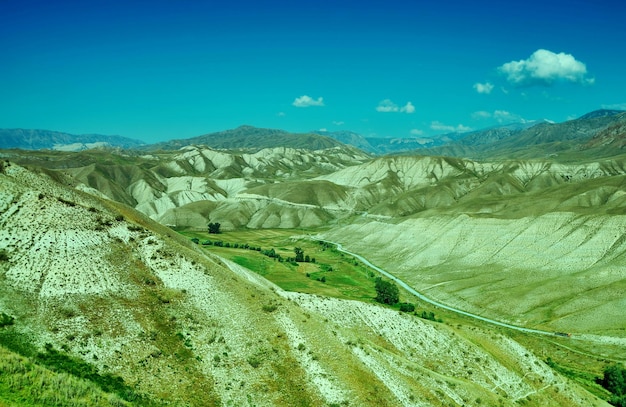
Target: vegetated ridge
251,139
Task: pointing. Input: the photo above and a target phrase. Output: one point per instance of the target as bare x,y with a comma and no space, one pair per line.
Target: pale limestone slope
560,271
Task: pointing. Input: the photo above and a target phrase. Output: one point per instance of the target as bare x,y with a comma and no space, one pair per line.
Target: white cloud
323,129
408,108
417,132
306,101
615,106
438,126
545,67
481,115
503,116
485,88
387,106
281,114
338,123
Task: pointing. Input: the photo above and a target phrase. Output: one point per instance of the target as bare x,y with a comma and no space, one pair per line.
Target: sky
159,70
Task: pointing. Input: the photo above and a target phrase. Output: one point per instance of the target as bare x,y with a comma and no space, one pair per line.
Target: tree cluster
300,257
614,380
214,228
386,292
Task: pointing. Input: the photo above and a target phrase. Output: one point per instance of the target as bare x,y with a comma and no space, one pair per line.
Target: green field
332,273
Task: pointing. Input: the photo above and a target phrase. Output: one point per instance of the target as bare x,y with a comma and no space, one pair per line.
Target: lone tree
386,292
299,254
214,227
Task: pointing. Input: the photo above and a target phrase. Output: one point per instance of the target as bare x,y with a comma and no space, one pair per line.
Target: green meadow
329,272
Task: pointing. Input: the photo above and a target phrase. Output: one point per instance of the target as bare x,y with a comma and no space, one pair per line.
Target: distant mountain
566,140
401,144
252,138
612,138
53,140
350,138
601,113
388,145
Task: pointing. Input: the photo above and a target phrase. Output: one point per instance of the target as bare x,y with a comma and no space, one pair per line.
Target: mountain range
54,140
536,139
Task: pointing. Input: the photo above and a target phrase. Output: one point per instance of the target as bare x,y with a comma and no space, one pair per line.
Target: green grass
344,277
585,378
26,383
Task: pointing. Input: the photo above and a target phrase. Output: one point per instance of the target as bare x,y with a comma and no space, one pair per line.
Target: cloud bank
307,101
387,106
544,68
501,116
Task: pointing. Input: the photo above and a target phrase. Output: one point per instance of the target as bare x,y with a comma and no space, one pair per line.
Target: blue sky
158,70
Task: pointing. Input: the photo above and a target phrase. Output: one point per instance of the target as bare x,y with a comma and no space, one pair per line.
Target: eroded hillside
105,284
470,232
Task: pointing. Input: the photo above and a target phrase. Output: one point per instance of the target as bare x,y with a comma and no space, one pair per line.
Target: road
438,304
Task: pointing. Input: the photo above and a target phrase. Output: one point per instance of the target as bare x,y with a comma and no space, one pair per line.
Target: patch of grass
269,307
167,295
58,369
586,379
24,383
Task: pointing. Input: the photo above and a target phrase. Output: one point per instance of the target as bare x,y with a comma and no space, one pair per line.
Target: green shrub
407,307
6,320
4,256
269,308
254,361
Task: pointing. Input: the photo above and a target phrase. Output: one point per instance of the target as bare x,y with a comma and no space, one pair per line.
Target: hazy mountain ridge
54,140
601,113
158,316
563,141
249,138
350,138
527,139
